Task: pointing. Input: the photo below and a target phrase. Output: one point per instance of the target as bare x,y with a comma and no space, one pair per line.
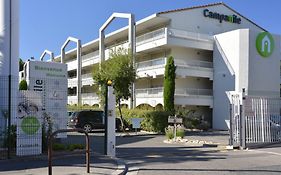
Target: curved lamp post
132,42
51,54
79,64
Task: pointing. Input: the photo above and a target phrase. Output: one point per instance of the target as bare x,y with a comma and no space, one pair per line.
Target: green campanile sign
265,44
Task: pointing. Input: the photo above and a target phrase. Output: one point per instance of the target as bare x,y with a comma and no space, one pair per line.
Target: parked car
91,119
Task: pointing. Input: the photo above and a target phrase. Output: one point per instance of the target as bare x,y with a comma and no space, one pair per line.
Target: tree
120,70
23,85
169,85
21,63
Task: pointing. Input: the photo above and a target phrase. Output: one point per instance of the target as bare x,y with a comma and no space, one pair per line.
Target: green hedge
155,121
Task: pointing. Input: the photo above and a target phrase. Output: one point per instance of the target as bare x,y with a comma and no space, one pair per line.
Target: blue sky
45,24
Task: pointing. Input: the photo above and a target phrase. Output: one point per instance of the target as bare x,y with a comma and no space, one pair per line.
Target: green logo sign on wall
265,44
30,125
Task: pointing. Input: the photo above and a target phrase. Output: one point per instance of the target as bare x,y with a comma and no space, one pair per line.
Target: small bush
169,132
23,85
72,147
155,121
58,147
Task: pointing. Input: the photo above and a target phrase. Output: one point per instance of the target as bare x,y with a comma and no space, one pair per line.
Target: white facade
212,56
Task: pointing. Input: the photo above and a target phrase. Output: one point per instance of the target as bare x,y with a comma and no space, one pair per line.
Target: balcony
183,96
87,98
87,60
151,68
190,39
151,40
87,79
193,68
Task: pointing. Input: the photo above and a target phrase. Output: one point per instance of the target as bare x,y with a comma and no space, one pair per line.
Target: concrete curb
122,167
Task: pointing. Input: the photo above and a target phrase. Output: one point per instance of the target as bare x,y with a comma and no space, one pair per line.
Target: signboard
174,120
136,122
29,131
50,79
222,17
265,44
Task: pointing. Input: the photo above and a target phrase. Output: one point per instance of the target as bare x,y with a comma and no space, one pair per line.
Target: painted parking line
266,152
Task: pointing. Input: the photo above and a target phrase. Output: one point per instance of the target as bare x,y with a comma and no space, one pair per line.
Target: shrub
72,147
23,85
169,132
169,85
155,121
58,147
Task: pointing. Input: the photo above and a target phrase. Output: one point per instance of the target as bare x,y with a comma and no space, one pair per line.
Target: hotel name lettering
222,17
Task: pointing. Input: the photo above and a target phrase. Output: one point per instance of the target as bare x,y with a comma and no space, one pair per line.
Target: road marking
267,152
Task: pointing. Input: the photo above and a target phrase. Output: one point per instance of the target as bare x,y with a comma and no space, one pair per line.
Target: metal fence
255,120
26,117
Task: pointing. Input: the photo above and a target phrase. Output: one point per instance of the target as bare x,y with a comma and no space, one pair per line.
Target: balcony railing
194,63
158,92
193,92
151,36
149,63
190,35
181,63
89,96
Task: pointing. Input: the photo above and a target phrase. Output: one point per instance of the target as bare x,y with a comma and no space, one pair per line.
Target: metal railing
89,96
158,92
151,36
193,92
193,63
150,63
190,35
50,147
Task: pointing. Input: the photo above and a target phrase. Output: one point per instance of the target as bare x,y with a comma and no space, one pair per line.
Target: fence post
9,116
230,124
243,122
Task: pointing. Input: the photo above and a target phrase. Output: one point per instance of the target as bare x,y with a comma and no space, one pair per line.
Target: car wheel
87,127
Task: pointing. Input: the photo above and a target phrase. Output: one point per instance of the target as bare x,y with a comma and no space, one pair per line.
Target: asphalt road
150,155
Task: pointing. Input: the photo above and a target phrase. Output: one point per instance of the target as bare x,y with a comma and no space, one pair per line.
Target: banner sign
50,78
29,131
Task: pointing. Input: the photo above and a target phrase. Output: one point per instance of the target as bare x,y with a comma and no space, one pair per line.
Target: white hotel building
214,48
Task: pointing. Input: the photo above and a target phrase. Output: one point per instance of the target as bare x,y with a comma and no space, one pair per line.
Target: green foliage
70,147
13,137
120,70
155,121
169,132
21,64
58,147
73,147
169,85
23,85
79,107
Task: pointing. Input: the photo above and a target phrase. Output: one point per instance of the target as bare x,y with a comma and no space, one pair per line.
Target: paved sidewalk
62,165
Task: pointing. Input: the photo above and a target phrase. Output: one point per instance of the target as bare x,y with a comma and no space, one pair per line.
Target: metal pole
87,153
50,154
50,147
105,119
230,124
243,122
10,85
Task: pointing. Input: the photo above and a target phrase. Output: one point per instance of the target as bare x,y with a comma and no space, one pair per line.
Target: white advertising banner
50,78
29,131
